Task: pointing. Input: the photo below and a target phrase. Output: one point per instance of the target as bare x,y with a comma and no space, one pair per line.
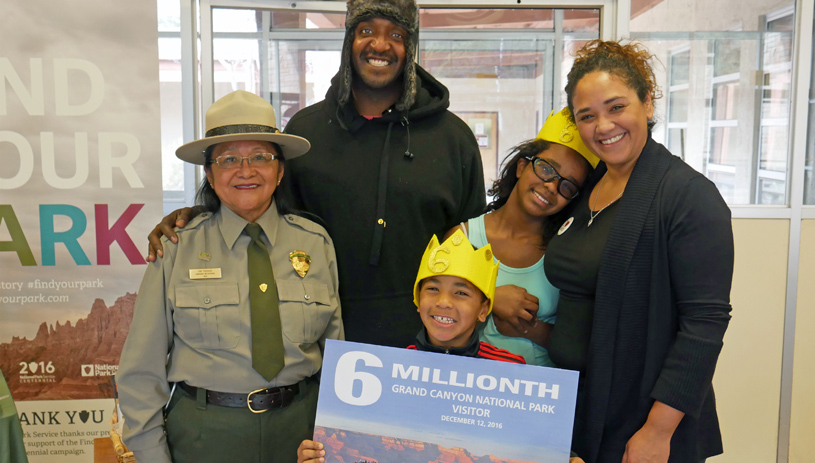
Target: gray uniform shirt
192,319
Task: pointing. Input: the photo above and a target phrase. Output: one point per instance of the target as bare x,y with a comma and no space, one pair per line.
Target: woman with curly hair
644,269
539,179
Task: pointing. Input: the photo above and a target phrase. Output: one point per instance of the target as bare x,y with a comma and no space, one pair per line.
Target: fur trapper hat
402,12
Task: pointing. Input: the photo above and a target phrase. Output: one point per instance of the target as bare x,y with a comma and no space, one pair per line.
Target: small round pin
565,226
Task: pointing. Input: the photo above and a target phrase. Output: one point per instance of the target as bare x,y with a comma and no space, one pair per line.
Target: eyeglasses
566,188
233,161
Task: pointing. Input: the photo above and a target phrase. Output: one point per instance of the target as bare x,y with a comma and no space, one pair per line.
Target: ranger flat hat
241,115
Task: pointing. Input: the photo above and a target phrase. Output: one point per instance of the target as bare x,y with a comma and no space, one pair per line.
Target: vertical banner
80,188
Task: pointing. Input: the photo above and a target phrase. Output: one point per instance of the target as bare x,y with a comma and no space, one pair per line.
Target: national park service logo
301,262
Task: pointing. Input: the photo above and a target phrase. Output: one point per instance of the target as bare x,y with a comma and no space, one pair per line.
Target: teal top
534,280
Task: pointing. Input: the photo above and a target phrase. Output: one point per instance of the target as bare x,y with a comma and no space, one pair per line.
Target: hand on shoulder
166,228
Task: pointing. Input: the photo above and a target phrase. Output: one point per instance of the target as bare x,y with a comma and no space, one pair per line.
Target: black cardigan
661,310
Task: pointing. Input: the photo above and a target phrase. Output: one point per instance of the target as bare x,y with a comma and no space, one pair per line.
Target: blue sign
375,401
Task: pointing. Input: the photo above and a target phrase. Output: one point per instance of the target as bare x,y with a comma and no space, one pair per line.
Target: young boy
453,293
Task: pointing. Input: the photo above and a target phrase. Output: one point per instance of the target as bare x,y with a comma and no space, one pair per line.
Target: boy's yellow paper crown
560,129
457,257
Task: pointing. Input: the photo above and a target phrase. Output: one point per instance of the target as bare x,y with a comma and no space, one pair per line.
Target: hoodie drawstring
382,189
379,226
406,125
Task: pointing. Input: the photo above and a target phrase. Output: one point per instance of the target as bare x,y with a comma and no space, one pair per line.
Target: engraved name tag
204,273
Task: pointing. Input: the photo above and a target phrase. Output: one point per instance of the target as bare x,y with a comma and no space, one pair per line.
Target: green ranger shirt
191,321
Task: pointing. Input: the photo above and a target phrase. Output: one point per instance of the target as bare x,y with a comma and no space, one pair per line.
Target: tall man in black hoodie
389,167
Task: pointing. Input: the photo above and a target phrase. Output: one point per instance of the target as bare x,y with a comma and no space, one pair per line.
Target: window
501,66
724,121
775,109
173,170
257,51
678,102
809,178
727,88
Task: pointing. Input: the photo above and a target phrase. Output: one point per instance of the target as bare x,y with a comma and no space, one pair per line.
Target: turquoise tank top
534,280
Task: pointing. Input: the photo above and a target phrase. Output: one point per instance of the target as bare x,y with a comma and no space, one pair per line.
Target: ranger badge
300,261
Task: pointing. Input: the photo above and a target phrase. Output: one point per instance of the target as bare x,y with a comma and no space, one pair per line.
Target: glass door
504,67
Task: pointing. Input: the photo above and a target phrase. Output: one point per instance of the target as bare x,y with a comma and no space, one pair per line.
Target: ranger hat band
241,115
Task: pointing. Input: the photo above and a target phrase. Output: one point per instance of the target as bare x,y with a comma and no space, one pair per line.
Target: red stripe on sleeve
491,352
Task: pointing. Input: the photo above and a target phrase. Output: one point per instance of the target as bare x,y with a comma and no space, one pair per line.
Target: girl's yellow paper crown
560,129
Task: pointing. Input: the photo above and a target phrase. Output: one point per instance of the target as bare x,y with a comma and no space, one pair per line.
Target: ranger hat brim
241,115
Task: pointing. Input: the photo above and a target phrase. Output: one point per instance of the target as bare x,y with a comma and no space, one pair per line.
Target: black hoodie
432,181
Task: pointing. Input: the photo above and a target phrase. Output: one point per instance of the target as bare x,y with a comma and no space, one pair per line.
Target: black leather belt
259,401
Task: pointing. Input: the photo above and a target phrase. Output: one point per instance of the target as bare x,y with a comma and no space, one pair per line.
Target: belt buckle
249,401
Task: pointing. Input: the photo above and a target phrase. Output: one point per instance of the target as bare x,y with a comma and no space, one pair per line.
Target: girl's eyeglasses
565,187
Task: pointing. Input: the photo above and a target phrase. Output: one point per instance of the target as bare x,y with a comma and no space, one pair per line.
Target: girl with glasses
539,179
